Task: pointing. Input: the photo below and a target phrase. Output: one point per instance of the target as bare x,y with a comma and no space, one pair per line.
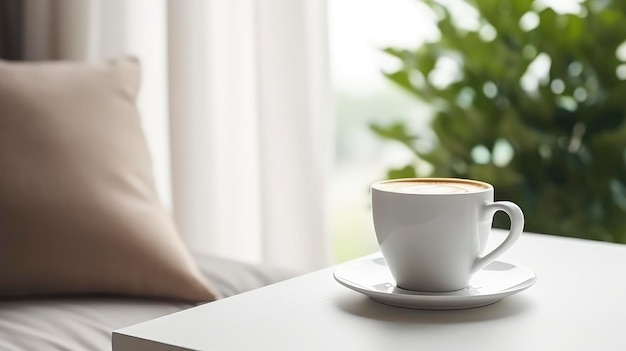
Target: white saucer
370,276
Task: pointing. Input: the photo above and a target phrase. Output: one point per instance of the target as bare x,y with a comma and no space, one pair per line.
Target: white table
578,303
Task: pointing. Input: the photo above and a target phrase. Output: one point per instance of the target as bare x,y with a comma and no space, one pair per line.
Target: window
358,30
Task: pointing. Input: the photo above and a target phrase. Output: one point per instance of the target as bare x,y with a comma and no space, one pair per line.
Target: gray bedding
86,322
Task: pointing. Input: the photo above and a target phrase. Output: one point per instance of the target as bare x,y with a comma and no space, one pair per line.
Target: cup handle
517,225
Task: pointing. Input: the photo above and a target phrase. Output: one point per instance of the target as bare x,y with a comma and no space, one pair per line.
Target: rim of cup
486,186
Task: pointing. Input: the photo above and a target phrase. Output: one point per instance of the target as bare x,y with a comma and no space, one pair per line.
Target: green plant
534,103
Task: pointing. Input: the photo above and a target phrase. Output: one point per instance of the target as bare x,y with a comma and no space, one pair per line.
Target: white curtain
236,106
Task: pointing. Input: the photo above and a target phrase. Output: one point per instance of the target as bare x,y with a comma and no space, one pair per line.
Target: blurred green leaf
405,172
396,131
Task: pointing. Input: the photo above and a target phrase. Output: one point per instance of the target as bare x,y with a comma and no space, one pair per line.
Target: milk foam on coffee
432,187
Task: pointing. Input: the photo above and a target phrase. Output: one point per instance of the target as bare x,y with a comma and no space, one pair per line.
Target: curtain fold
11,29
294,139
213,124
236,106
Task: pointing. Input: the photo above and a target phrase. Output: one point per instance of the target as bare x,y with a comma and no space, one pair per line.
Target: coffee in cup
433,231
432,186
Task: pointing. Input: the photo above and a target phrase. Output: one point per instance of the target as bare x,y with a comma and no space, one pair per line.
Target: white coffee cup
432,231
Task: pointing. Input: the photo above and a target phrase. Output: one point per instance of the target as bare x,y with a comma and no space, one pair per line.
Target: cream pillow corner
79,213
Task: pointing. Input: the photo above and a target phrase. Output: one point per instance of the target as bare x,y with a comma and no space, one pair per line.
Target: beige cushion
78,208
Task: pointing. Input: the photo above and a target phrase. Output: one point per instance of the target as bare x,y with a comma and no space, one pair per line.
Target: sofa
86,322
86,246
